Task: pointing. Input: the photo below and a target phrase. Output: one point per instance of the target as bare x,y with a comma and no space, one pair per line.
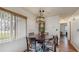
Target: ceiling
53,11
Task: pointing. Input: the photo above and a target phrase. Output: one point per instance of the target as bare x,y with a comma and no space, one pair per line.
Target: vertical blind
8,25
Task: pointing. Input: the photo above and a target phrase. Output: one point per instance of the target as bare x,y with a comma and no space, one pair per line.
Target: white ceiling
53,11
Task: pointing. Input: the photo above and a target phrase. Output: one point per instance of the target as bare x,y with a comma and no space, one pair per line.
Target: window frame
13,17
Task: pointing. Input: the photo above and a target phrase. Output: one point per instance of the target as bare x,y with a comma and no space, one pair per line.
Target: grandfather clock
41,26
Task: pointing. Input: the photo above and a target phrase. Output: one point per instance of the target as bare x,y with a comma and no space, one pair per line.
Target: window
9,25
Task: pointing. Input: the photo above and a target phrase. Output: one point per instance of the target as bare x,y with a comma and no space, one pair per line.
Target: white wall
32,25
74,19
63,21
75,33
18,45
52,23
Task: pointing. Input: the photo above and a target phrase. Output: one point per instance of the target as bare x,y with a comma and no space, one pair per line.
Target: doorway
63,37
63,30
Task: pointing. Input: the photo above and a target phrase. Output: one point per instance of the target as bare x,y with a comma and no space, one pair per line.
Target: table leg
43,46
35,45
27,46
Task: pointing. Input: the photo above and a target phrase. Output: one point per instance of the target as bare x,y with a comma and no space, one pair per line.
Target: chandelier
41,16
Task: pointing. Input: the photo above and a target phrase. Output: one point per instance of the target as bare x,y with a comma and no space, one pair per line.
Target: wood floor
65,46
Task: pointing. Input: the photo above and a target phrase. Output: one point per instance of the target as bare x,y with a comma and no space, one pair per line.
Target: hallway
65,46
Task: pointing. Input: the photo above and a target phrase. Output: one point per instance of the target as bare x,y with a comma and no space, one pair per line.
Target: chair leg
55,48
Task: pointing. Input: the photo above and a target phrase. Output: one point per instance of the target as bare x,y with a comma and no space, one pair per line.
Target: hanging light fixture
41,16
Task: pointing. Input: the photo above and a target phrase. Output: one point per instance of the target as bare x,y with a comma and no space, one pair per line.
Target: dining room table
41,40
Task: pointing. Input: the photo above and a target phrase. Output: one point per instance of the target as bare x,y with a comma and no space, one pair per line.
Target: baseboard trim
73,45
